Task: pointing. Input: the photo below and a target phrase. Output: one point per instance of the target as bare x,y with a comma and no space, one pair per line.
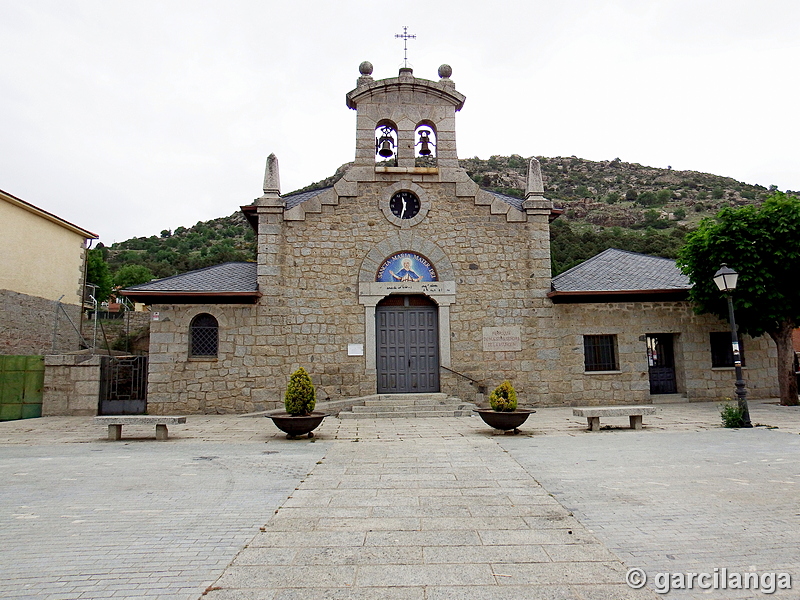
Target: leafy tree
664,196
763,245
129,275
97,273
612,197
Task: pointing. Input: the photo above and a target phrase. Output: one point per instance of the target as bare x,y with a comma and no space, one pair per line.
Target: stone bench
593,414
116,422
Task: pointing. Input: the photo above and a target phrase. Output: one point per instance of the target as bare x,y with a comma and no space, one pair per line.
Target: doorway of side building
407,332
661,363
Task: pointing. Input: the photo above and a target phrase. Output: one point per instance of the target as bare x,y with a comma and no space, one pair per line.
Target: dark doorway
661,363
123,385
407,330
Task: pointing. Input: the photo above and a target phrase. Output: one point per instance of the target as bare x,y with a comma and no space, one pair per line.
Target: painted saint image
406,267
405,274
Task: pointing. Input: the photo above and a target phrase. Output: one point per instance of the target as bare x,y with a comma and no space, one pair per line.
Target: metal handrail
478,383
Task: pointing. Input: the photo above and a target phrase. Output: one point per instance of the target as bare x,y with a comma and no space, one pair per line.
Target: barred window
600,353
722,350
203,336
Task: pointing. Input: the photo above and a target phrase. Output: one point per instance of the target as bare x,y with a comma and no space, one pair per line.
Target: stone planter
505,420
297,425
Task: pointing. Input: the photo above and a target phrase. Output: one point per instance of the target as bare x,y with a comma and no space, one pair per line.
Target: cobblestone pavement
135,520
405,508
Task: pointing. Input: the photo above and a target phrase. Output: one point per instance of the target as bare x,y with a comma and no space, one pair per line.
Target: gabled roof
620,273
232,282
47,215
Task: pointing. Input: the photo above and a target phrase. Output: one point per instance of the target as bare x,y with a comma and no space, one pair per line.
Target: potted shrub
504,413
299,401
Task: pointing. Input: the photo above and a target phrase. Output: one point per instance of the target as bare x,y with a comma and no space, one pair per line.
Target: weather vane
405,37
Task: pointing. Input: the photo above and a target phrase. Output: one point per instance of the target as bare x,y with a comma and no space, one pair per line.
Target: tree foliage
98,273
129,275
761,243
573,244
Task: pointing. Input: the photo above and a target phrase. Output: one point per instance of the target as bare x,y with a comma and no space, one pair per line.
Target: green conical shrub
503,398
300,396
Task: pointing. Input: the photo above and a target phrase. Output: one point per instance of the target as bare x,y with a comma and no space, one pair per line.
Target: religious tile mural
406,266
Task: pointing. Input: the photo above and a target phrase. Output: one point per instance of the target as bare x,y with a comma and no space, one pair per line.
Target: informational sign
155,316
406,267
355,349
502,339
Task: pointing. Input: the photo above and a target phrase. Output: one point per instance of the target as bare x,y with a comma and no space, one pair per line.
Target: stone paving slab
142,520
170,536
681,502
417,555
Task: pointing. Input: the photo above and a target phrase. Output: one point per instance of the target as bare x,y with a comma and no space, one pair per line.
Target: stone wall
28,323
564,379
236,381
71,385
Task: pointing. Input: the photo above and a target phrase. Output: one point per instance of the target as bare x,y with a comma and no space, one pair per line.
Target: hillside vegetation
606,204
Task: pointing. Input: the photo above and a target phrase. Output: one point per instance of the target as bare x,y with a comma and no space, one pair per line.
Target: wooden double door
407,331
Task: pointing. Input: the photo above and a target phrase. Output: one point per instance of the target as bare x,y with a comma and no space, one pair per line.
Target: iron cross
405,37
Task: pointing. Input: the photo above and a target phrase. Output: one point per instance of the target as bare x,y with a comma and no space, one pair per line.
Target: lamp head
726,278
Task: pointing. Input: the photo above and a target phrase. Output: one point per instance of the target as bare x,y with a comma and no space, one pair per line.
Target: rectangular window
722,350
600,352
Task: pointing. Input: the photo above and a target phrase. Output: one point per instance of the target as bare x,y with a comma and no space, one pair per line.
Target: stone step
407,399
408,407
406,414
399,406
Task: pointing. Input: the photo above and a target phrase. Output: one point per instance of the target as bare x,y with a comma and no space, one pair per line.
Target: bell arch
386,140
425,143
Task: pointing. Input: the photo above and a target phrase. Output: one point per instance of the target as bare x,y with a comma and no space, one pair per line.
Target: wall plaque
502,339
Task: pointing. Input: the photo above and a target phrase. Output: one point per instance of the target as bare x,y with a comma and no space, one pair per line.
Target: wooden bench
116,422
593,414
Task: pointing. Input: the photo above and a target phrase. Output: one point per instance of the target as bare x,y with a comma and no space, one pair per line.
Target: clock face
404,205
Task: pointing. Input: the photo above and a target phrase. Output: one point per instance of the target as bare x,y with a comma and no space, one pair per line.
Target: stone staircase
397,406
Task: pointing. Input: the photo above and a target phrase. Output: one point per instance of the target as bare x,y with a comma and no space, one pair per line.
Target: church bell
383,144
425,142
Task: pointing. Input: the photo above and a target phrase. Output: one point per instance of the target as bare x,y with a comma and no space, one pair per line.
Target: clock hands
402,212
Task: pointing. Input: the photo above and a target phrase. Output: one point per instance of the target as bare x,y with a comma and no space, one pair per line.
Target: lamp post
726,279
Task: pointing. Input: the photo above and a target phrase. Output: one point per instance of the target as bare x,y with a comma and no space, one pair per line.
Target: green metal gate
21,385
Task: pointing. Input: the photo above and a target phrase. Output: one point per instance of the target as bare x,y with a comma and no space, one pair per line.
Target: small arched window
203,336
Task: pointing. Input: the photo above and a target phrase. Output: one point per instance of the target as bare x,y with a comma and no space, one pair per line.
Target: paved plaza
228,509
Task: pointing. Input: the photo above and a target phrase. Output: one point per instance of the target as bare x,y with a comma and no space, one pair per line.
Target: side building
406,277
41,279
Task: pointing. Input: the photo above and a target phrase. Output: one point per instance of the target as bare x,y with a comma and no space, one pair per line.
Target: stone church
406,277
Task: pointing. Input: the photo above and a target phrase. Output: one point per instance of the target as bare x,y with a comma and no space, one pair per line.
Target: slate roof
232,280
513,201
617,271
297,199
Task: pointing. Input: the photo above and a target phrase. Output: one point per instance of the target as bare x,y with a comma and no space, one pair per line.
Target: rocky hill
606,204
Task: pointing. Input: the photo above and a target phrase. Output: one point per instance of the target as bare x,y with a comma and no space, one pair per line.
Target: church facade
406,277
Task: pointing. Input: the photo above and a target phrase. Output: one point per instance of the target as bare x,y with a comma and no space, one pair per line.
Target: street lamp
726,279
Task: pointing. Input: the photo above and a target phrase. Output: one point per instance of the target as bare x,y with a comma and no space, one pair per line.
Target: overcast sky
127,118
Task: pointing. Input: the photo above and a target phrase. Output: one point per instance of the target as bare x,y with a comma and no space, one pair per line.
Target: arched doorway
407,344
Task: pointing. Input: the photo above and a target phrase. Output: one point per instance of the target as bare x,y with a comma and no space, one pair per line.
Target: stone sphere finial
445,71
365,68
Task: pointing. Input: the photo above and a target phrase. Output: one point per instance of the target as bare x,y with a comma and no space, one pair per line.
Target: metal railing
475,391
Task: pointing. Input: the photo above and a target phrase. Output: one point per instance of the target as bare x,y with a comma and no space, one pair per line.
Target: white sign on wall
355,349
502,339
